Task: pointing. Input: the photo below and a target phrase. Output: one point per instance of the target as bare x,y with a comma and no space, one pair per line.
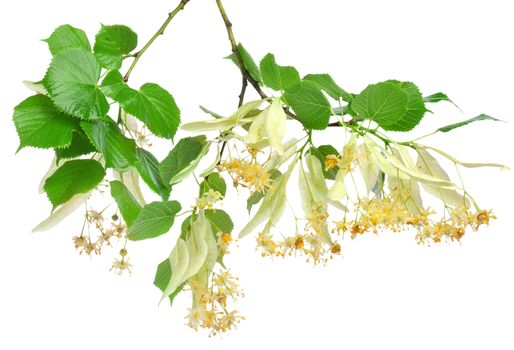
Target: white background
385,293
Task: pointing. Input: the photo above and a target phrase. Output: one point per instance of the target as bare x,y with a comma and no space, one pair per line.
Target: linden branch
236,52
159,32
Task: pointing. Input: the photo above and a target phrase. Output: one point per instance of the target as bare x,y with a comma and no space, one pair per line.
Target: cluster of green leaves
70,112
393,105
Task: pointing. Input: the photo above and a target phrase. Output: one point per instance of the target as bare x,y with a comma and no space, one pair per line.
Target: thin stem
159,32
243,91
223,146
424,136
236,52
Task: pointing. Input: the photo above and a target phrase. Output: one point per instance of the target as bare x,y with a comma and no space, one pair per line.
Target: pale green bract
272,205
189,256
427,164
223,124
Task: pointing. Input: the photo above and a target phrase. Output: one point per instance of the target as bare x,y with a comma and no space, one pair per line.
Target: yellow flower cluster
247,174
311,245
315,243
209,309
390,213
209,199
377,214
454,227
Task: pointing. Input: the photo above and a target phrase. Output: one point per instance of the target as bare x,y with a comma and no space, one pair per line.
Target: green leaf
183,158
152,104
119,151
155,107
215,182
148,167
80,145
72,81
112,43
277,77
73,177
248,62
163,277
466,122
40,124
385,103
155,219
309,104
321,153
415,107
67,37
220,221
438,97
256,197
129,207
327,84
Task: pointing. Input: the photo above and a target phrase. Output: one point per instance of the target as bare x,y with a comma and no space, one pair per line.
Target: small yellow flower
331,161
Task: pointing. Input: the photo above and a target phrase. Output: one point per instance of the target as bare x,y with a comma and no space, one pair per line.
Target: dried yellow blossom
121,265
336,248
